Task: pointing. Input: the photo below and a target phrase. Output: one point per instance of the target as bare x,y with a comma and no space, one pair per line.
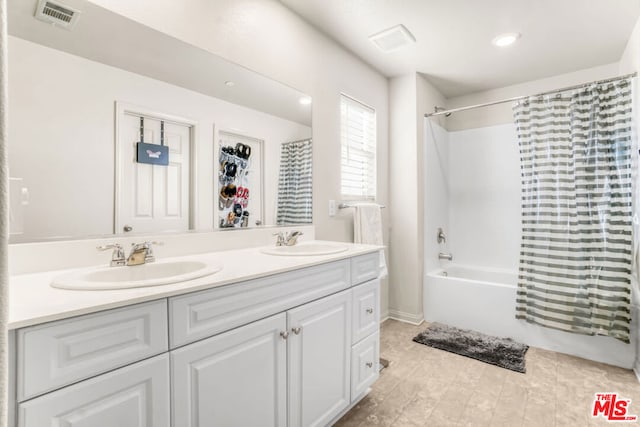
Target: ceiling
453,37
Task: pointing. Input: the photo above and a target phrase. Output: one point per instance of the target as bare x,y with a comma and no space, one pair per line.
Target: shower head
438,109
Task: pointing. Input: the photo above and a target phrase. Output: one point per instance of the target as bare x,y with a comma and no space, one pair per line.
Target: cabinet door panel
366,310
319,360
237,378
364,364
134,396
365,267
59,353
203,314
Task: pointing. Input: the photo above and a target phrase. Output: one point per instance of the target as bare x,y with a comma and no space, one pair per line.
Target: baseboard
406,317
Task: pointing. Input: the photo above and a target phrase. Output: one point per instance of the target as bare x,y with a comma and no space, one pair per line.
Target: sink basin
305,249
138,276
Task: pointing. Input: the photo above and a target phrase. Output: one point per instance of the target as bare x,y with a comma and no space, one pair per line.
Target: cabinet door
319,360
237,378
133,396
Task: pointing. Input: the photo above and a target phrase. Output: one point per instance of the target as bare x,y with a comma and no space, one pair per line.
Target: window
358,139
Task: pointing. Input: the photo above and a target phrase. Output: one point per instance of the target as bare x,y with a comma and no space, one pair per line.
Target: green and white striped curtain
295,191
577,168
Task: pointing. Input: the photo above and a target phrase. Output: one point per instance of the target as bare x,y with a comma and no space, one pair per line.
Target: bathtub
483,299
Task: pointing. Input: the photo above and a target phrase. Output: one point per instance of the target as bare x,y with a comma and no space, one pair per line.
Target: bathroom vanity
267,341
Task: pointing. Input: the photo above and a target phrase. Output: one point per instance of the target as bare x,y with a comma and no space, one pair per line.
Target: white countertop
33,301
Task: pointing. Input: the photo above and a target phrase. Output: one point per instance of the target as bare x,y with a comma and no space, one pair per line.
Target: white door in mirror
150,274
153,198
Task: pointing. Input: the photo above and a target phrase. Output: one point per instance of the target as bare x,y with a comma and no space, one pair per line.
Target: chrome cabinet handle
284,335
296,330
370,310
369,364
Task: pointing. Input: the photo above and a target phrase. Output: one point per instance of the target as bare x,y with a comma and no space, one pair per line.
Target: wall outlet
332,208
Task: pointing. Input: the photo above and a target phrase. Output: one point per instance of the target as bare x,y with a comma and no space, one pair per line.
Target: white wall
410,97
62,138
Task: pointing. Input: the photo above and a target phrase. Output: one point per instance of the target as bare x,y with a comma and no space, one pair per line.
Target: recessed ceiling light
305,100
392,38
229,83
506,39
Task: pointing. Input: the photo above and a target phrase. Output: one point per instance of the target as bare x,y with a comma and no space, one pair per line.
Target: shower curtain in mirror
577,169
294,184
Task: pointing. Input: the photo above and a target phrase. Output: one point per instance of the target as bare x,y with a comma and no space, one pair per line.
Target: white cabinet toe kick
291,349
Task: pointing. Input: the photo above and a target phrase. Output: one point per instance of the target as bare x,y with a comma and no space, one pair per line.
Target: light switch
332,208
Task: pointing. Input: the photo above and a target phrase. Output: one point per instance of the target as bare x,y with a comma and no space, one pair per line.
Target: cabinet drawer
59,353
137,395
203,314
364,364
366,310
365,267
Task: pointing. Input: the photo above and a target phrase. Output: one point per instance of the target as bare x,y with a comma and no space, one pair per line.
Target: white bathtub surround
483,299
367,229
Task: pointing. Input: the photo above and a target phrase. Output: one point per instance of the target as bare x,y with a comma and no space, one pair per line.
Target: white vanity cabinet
293,349
240,377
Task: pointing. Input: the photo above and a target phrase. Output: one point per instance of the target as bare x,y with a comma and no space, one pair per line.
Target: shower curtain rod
519,98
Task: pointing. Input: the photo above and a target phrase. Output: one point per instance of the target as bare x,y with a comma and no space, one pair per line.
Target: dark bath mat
503,352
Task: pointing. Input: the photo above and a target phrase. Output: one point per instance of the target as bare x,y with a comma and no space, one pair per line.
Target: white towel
367,229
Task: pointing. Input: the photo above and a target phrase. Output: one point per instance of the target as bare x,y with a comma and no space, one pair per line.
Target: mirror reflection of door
240,181
153,198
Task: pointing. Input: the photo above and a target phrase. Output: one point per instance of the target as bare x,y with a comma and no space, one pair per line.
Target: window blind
358,140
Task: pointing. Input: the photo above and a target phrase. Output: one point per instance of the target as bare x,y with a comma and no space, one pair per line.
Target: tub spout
448,257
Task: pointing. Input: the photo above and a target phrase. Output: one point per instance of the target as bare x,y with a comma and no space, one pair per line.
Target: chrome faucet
292,238
117,256
141,253
288,239
442,255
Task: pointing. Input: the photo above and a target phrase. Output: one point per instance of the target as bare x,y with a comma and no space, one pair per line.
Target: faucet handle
280,236
117,256
148,245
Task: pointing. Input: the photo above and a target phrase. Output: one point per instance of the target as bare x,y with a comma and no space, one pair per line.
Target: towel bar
349,205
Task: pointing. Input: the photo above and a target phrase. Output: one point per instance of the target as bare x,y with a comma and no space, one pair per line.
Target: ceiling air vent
392,38
57,13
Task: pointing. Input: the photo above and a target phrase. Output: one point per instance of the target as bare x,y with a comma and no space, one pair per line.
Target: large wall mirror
117,128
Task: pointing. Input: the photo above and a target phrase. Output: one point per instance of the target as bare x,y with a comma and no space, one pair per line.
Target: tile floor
424,386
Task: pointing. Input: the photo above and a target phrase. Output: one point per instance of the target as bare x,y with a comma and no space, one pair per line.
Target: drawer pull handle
370,310
284,335
369,364
296,330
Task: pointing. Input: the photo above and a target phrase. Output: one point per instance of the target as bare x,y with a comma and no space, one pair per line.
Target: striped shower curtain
577,169
295,191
